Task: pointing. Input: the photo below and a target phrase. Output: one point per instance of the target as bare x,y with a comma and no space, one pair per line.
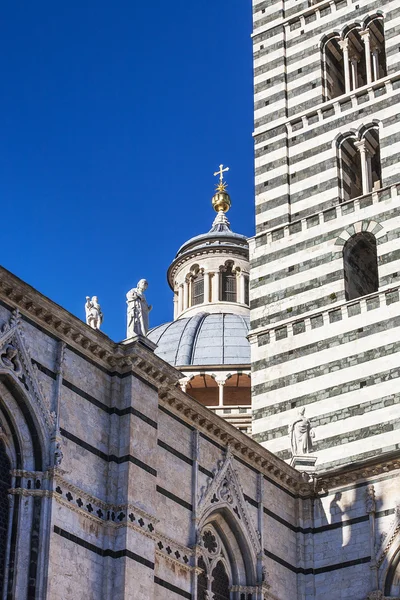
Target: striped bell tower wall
311,346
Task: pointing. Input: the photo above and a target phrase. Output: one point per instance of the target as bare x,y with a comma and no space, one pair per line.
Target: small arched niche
360,265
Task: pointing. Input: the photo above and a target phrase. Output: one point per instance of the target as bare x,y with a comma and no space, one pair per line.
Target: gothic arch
26,429
388,559
223,515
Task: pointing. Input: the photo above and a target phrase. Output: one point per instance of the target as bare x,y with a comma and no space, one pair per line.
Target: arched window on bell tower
359,163
360,265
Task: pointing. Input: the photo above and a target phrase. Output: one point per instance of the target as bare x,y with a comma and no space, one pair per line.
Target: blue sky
114,116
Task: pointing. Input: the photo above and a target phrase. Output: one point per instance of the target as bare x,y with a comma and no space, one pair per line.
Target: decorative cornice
179,261
351,473
136,356
225,434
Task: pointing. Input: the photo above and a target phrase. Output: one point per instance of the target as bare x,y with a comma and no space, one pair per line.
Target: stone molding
350,474
136,356
247,449
165,546
178,262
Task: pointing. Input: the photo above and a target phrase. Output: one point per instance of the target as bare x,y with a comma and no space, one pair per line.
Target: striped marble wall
310,347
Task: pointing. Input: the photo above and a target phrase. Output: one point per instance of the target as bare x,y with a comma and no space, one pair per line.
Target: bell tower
325,270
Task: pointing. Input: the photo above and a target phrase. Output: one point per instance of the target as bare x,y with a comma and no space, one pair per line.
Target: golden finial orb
221,199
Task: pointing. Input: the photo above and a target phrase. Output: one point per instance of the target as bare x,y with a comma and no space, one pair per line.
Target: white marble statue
138,310
301,434
94,316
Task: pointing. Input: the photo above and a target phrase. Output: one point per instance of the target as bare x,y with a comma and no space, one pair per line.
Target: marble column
367,43
180,299
354,72
221,382
344,45
185,295
242,288
215,292
361,147
206,287
375,63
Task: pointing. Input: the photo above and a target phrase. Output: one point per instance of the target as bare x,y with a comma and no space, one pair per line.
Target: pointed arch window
202,580
5,484
220,582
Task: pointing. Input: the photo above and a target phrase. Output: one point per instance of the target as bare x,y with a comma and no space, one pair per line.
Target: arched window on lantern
197,289
228,283
360,265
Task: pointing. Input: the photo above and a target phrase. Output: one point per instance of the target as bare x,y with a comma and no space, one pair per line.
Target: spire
221,200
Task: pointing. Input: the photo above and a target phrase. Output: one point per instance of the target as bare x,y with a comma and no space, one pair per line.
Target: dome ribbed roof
204,339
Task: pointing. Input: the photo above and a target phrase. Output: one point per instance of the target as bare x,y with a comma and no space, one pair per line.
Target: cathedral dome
204,339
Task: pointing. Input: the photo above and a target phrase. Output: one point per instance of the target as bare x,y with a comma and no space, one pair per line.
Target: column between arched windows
365,36
366,174
344,46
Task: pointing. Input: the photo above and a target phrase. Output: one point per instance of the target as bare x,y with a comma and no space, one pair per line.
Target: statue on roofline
138,310
94,316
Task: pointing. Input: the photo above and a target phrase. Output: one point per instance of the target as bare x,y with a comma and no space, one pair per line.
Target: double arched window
359,162
353,59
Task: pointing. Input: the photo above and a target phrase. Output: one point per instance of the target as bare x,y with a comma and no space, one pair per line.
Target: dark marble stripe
174,498
108,457
172,588
320,570
104,553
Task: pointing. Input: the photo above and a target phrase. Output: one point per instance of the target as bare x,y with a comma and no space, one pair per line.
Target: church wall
343,542
141,472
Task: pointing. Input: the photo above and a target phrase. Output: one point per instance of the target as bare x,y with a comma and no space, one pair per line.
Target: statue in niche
94,316
301,434
58,455
138,310
9,359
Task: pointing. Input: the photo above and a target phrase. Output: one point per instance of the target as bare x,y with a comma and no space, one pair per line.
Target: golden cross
221,173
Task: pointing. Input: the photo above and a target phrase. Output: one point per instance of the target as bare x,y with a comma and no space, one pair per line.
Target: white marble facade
124,487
